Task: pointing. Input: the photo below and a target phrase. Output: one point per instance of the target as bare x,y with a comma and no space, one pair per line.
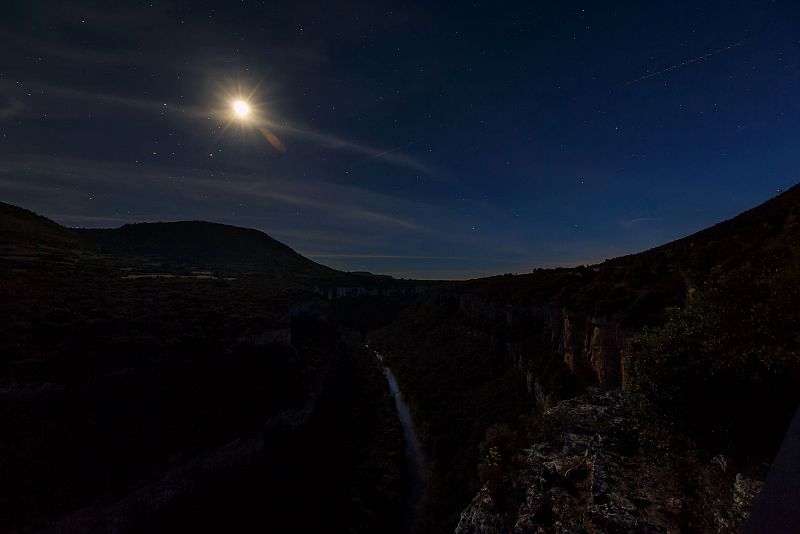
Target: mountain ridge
217,243
203,242
189,244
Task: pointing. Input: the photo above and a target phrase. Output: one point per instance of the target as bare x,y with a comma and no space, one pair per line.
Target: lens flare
241,108
272,139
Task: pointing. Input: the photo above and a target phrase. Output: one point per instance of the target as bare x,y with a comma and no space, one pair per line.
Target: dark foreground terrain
208,384
700,334
192,375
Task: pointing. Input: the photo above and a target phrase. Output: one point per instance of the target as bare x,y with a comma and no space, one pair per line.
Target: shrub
496,450
724,368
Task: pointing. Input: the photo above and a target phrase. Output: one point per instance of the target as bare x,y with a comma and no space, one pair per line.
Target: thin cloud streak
325,140
12,108
63,172
638,221
360,216
393,156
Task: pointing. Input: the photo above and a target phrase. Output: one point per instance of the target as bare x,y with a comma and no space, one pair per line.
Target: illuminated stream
414,456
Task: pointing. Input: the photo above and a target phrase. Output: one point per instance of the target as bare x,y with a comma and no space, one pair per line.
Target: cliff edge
597,472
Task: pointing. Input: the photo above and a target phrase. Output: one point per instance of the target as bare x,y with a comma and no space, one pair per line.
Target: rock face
593,476
590,346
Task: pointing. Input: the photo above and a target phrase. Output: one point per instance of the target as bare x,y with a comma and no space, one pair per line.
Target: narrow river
414,456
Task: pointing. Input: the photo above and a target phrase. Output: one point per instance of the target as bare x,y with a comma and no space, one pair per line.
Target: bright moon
241,108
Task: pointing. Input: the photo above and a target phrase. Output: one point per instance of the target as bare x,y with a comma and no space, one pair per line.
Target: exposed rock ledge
593,476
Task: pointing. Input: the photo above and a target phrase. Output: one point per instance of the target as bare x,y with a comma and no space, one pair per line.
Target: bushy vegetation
724,369
497,450
717,384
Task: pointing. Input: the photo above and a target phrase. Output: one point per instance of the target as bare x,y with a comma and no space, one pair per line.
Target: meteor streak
678,65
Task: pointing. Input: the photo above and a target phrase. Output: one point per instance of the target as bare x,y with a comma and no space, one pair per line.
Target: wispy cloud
10,107
57,176
12,89
394,156
14,108
637,221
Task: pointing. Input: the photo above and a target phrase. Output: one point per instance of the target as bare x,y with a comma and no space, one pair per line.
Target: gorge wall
591,346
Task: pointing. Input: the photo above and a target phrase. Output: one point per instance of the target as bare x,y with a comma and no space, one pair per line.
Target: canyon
649,391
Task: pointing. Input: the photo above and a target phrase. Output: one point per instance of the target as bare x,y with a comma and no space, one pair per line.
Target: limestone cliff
589,345
594,474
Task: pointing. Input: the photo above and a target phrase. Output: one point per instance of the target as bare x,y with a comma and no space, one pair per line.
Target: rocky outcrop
604,350
590,346
593,475
573,345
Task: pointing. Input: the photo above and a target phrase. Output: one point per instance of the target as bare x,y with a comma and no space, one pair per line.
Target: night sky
429,139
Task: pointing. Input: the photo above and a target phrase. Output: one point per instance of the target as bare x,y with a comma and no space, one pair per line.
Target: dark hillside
19,226
199,243
132,383
557,329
